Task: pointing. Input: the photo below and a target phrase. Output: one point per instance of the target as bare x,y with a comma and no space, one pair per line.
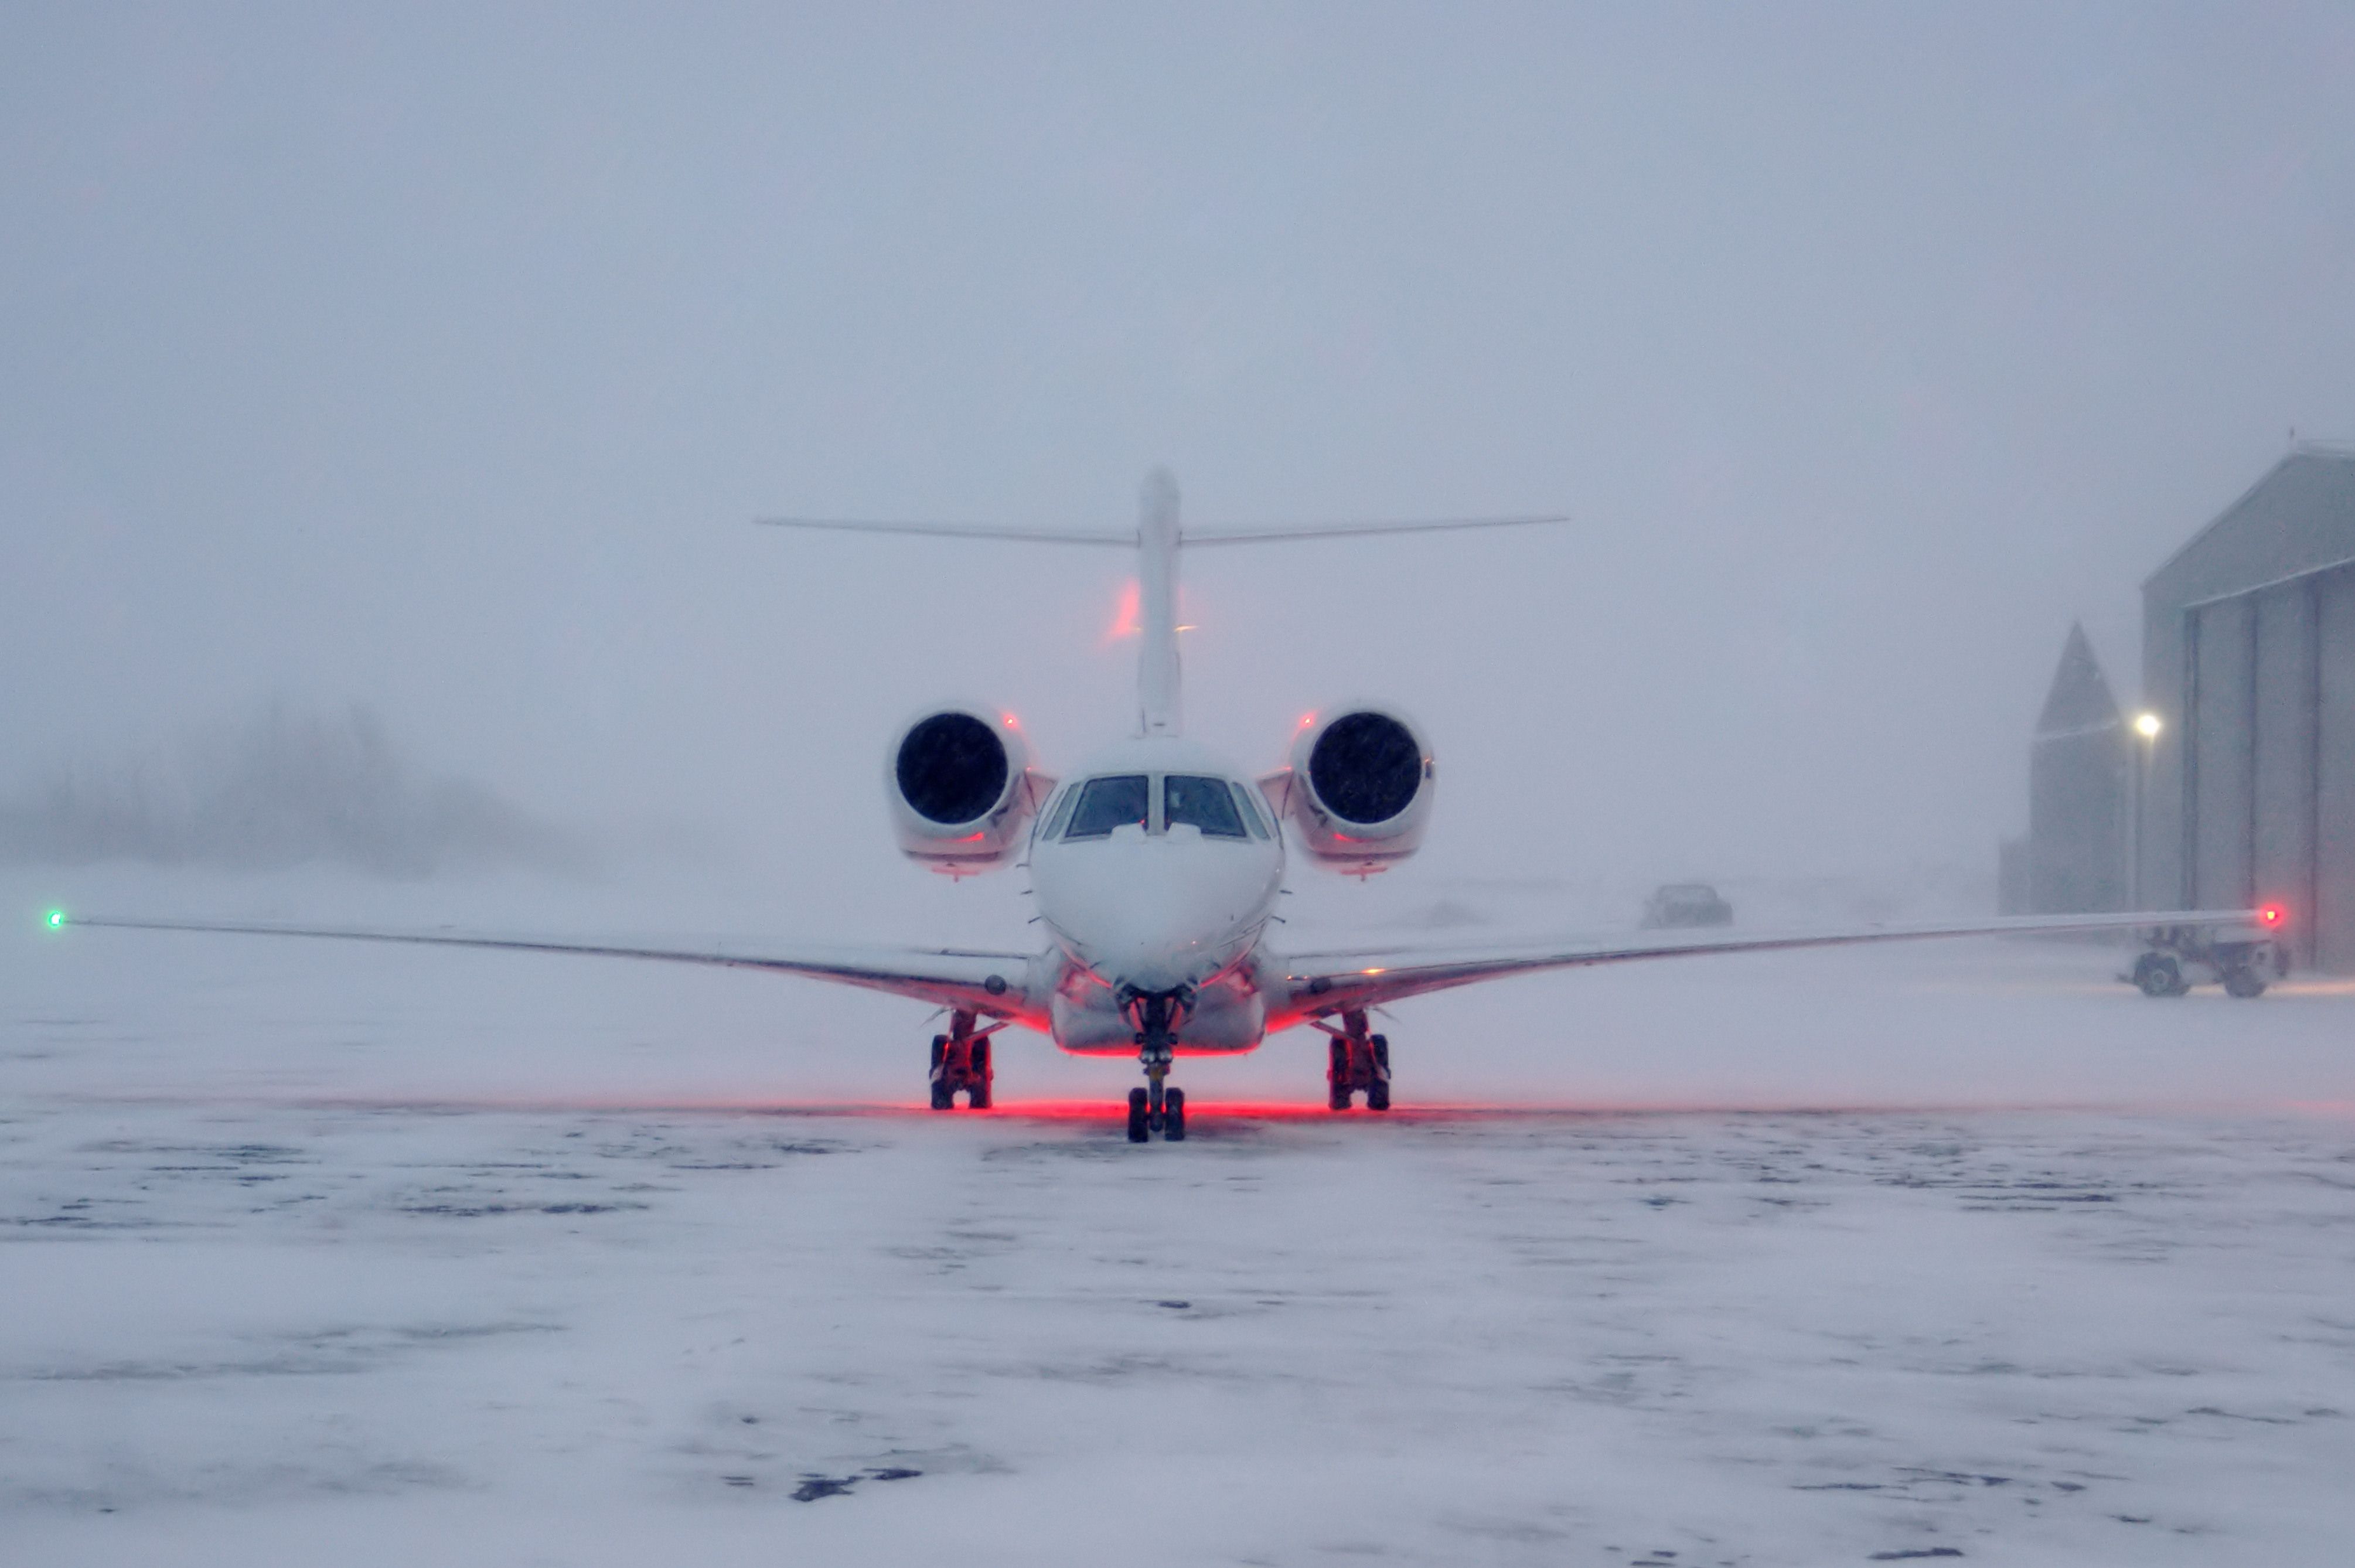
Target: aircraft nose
1148,948
1153,918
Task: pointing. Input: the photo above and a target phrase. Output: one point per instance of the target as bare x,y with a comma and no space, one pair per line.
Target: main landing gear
1356,1061
1157,1107
961,1064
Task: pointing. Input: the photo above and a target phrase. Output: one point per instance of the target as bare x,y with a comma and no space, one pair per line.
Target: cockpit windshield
1203,802
1107,803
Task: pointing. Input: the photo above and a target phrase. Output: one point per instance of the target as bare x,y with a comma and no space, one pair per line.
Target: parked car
1685,904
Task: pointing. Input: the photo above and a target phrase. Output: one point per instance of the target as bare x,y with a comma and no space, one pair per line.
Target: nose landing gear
961,1064
1157,1107
1356,1061
1170,1119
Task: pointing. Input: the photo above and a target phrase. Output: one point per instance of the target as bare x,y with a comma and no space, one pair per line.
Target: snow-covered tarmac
340,1256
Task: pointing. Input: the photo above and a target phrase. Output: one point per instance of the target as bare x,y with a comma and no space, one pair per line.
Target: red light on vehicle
2271,914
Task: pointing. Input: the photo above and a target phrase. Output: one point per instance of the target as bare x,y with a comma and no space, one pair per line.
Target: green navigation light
56,918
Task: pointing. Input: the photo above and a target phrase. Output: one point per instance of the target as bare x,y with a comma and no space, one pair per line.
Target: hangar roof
2298,518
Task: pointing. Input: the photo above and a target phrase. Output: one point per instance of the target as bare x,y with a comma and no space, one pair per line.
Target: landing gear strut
961,1064
1157,1107
1355,1060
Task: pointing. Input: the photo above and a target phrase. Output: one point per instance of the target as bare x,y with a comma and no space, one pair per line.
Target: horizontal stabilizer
1281,535
1278,534
953,530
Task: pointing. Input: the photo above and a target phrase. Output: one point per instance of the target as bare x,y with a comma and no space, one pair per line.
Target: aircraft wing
1318,984
995,985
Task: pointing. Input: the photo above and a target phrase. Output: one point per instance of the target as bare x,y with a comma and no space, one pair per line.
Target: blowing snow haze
282,790
435,361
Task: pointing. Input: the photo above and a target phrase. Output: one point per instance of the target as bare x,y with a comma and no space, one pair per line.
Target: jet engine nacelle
961,787
1359,790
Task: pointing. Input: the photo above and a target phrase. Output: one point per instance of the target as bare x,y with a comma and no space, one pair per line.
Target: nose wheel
1356,1063
1169,1121
1157,1107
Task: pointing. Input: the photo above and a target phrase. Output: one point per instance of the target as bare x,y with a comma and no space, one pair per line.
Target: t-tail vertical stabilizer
1157,696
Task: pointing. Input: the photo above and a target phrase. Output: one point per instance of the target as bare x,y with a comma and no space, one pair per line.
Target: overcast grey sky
436,357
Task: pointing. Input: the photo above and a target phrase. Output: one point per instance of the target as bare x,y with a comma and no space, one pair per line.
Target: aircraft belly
1228,1015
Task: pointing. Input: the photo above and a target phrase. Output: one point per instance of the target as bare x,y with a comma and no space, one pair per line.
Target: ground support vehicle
2244,959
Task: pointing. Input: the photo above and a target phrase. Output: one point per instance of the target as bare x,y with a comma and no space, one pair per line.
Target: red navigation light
2271,914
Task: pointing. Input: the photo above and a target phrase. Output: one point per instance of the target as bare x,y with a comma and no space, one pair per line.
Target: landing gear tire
1173,1117
2243,983
1137,1129
944,1097
2157,975
1377,1086
976,1097
1338,1081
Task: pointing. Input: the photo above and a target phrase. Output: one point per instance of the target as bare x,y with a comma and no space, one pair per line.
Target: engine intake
1359,787
961,787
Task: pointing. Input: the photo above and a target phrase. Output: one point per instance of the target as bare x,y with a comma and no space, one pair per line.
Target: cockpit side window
1052,828
1107,803
1250,807
1204,801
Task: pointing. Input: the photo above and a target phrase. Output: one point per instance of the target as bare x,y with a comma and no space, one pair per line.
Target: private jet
1156,866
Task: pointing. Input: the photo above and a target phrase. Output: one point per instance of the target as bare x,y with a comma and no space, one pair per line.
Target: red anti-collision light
2271,914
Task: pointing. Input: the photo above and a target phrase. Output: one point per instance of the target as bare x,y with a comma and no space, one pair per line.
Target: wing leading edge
1318,984
994,985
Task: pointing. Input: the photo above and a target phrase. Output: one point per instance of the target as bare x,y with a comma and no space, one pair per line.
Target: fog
430,363
279,791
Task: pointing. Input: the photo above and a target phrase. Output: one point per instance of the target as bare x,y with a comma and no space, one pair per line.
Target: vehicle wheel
1337,1075
2157,975
977,1090
2243,982
1378,1098
1137,1128
1173,1115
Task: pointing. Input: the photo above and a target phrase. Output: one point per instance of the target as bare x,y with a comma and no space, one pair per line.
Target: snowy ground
341,1254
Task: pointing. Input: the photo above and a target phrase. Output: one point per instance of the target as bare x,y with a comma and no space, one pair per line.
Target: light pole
2146,725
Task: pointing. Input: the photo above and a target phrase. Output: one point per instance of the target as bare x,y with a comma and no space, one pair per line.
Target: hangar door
2334,860
2270,797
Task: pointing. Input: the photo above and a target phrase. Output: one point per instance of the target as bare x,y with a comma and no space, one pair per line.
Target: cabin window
1107,803
1206,803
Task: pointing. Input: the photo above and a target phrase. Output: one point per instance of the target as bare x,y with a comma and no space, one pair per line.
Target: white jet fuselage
1158,907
